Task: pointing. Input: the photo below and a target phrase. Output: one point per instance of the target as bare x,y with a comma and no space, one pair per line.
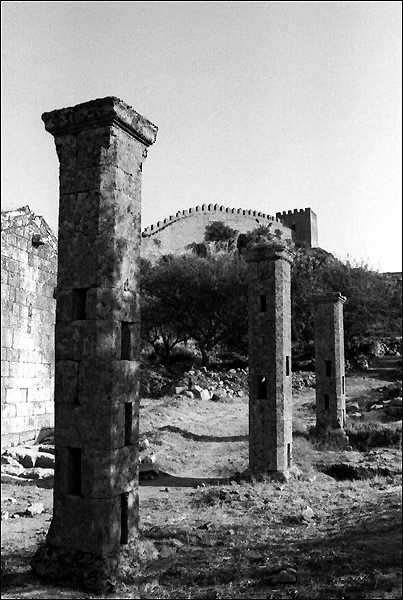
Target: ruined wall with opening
28,279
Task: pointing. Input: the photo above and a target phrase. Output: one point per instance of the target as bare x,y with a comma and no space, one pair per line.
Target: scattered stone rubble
363,465
29,464
206,384
148,466
389,400
392,407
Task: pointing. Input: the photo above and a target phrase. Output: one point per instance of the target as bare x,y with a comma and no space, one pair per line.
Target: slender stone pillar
101,146
270,383
329,362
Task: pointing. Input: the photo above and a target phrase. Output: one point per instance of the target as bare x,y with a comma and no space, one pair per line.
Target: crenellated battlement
303,223
292,212
205,208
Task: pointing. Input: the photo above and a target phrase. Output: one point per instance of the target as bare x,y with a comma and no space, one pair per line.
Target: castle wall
175,234
28,279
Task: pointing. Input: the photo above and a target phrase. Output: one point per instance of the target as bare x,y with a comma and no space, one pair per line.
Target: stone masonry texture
270,384
101,147
329,361
28,280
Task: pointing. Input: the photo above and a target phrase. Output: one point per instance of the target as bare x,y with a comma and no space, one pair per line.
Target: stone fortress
28,305
176,234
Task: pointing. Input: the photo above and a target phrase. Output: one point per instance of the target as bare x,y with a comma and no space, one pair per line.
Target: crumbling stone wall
28,279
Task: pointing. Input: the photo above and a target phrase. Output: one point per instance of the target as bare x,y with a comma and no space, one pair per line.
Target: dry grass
333,539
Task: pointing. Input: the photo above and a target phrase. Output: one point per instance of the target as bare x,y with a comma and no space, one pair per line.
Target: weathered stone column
101,146
329,362
270,383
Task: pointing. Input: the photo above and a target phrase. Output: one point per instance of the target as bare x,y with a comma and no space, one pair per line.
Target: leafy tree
218,237
372,310
199,298
218,231
160,326
262,235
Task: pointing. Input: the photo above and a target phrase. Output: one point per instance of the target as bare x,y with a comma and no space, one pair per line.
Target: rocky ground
332,531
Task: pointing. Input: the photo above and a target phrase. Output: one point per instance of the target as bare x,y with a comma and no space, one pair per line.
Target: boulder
287,575
48,448
307,514
205,395
37,473
197,390
44,460
35,509
25,456
151,459
144,444
9,460
15,469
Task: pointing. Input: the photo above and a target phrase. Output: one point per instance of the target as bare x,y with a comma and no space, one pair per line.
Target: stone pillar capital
330,298
98,113
265,252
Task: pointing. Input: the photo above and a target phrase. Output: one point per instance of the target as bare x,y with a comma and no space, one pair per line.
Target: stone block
109,145
108,473
103,382
6,338
99,519
66,381
98,261
79,340
100,211
16,395
8,410
113,303
103,473
95,428
5,368
24,409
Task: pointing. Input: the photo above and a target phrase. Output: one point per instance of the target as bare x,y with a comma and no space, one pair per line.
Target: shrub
374,435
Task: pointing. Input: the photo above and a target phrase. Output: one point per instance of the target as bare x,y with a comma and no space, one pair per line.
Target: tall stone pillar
329,362
101,146
270,383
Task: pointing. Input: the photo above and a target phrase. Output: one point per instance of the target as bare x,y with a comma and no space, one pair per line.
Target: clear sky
267,106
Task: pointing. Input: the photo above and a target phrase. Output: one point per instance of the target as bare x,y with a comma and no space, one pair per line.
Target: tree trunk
205,355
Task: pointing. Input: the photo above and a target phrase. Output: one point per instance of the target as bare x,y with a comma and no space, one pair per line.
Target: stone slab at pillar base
99,574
